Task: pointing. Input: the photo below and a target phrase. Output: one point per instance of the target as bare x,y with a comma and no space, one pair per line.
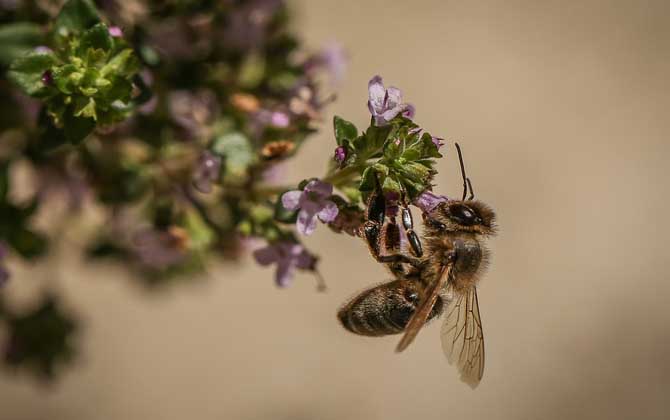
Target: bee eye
463,215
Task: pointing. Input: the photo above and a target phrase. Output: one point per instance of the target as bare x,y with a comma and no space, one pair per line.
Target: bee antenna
472,193
466,180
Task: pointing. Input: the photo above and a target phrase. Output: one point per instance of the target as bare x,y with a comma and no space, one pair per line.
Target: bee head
462,216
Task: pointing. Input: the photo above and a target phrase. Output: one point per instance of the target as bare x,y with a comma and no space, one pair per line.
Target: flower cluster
173,121
393,157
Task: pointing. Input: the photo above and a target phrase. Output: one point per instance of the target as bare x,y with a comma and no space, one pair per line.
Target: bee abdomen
363,320
383,310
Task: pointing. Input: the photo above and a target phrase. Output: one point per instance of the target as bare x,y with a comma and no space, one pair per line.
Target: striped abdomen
384,309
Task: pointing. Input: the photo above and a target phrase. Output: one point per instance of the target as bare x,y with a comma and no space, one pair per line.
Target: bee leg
375,239
381,236
412,237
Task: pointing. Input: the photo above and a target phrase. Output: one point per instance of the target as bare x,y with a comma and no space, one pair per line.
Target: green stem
342,176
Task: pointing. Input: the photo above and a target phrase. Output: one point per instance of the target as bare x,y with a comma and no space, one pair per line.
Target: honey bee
440,276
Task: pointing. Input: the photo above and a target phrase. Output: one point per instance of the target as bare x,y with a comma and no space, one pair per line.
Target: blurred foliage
167,116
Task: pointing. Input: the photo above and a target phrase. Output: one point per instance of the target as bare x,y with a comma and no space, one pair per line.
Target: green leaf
238,155
77,128
123,64
96,38
17,39
391,185
199,233
86,109
370,144
26,72
76,16
344,130
63,80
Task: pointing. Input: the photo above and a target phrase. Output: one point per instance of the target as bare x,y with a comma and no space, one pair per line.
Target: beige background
562,108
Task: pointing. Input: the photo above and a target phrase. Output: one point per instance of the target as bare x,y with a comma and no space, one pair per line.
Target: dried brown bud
277,149
245,102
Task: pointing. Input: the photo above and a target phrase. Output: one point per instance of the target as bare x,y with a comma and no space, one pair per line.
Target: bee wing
463,337
423,310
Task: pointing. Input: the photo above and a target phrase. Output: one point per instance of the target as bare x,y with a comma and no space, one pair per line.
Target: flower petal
280,119
267,255
409,112
376,94
390,114
322,189
329,212
393,97
306,222
428,201
284,273
305,260
291,200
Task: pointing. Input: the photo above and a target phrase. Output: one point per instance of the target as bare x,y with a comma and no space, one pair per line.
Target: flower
312,201
4,274
206,171
48,78
409,112
288,256
340,154
115,32
332,58
384,104
278,119
428,201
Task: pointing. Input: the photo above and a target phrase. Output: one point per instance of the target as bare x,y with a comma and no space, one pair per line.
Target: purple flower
384,104
340,154
428,201
115,32
4,274
47,78
409,112
206,171
288,256
332,58
312,201
279,119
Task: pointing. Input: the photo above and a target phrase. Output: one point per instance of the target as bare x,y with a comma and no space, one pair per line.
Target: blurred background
562,111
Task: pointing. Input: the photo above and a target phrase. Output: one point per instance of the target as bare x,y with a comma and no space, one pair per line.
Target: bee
437,277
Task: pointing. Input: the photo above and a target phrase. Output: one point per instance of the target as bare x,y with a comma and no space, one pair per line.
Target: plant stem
342,176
